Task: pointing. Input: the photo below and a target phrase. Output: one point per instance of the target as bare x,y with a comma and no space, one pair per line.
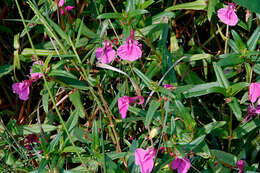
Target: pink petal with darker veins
144,158
182,165
227,15
254,92
123,104
22,89
130,51
105,56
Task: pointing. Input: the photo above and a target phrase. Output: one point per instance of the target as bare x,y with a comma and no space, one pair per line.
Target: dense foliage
129,86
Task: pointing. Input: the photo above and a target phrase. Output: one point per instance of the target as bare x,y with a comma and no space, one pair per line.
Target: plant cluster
130,86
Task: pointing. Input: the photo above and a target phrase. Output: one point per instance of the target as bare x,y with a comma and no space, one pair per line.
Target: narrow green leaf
253,40
211,8
144,78
246,128
95,138
199,90
34,128
235,108
230,60
110,16
154,105
195,5
71,149
222,80
76,101
238,40
5,69
224,158
237,87
252,5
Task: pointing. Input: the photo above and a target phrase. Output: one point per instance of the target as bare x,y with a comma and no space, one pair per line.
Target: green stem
226,41
230,131
102,143
47,86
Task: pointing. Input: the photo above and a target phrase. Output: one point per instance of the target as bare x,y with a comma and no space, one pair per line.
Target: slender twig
159,83
109,114
226,41
102,143
40,124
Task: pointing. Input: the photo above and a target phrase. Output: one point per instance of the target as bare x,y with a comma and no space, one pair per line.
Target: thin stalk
102,143
230,131
111,123
226,41
47,86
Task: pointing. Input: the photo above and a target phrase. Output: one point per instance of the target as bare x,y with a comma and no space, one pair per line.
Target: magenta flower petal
124,102
182,165
144,158
106,55
134,99
240,165
61,3
254,92
227,15
69,8
131,50
22,89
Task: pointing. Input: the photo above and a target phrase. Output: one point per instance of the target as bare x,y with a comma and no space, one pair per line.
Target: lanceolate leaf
195,5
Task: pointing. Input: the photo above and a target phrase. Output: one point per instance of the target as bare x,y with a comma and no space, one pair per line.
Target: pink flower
22,89
67,8
106,55
131,50
252,111
227,15
182,165
144,158
61,3
35,76
240,165
124,102
254,92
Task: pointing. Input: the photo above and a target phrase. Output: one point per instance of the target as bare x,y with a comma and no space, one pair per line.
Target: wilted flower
106,55
227,15
240,165
144,158
252,111
22,89
124,102
35,76
131,50
182,165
